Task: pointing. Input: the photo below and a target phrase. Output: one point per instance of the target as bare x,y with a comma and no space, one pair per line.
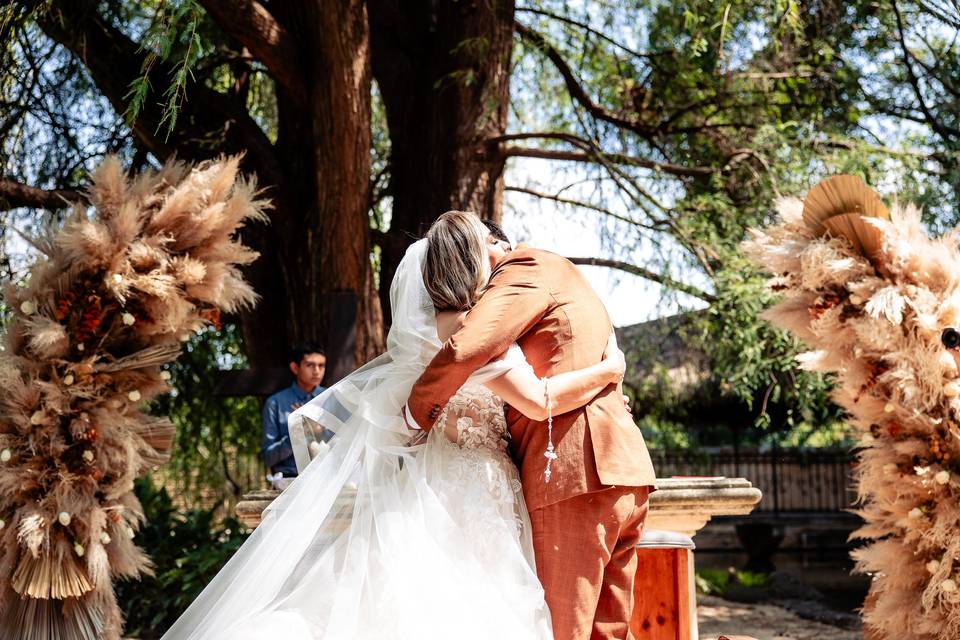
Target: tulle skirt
442,550
379,539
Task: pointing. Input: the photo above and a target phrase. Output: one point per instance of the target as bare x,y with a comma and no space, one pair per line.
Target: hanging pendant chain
549,454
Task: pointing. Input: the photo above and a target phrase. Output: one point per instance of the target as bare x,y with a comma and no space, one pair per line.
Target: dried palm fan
115,292
55,620
838,206
881,312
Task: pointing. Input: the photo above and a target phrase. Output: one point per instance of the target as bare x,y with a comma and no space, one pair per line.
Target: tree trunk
317,172
443,69
324,237
341,127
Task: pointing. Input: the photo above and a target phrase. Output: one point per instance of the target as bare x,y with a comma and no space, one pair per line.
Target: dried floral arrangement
879,302
115,292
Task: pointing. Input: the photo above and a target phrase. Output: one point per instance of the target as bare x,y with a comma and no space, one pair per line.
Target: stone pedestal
250,509
686,505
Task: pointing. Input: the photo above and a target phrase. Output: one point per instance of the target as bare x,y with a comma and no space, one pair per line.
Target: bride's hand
615,361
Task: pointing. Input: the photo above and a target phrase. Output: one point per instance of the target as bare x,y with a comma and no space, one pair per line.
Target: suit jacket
543,302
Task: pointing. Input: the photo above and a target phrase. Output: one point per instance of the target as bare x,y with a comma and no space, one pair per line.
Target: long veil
335,552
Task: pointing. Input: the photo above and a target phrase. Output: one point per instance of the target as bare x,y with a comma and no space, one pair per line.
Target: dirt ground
761,621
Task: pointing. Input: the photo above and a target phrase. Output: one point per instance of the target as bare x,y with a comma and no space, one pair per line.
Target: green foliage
754,361
765,99
171,37
712,581
752,579
718,581
215,452
751,361
664,434
379,166
187,549
810,435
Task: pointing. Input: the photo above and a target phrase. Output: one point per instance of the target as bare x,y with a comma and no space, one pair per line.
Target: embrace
484,478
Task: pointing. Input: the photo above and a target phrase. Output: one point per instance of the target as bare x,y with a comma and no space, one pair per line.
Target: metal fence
817,480
241,473
791,480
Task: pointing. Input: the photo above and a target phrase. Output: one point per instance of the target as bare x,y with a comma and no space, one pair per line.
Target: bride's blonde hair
456,268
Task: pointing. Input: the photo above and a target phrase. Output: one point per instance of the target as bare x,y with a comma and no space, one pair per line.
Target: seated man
308,364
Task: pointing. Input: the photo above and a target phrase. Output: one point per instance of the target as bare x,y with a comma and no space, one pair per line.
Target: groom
588,517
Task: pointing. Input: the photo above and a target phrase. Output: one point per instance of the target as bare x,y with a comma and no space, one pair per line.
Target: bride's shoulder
448,323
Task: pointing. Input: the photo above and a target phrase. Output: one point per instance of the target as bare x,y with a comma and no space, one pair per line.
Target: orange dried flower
64,305
212,315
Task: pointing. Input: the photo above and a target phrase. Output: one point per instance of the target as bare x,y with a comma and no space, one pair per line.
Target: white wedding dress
380,538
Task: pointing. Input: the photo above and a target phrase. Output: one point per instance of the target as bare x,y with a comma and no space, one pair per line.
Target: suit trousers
586,556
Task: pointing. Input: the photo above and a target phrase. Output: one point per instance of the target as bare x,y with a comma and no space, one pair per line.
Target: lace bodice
475,459
473,419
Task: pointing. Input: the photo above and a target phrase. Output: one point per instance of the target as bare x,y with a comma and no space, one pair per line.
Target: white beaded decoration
549,454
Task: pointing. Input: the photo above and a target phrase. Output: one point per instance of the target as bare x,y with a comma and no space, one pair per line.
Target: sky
576,232
629,298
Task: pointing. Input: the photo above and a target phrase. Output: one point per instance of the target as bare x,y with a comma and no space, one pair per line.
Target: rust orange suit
588,518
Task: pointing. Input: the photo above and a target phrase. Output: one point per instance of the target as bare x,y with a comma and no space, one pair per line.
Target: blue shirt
275,447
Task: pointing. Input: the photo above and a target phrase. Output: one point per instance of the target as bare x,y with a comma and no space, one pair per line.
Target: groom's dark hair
496,231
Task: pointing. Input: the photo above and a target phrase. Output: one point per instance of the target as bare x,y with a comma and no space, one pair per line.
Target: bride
385,536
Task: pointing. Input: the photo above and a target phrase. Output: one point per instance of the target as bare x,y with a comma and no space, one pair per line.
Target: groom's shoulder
525,261
526,264
526,253
520,260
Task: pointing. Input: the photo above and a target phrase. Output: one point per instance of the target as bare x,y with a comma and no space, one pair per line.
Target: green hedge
187,549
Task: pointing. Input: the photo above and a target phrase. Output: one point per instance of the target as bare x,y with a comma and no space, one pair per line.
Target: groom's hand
626,403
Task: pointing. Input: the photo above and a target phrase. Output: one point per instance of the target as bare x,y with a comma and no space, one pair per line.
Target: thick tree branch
589,147
587,28
772,75
851,144
617,158
253,26
950,16
585,205
15,194
628,185
937,125
209,122
577,92
666,281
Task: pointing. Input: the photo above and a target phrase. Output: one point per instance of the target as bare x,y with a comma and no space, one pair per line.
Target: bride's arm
524,391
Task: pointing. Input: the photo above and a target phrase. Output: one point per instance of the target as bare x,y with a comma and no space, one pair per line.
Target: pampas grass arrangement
878,301
116,291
